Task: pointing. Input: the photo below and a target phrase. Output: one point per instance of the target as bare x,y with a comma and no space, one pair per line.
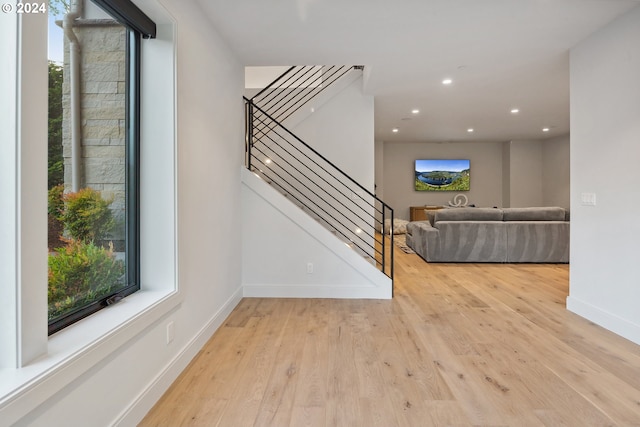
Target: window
53,362
93,168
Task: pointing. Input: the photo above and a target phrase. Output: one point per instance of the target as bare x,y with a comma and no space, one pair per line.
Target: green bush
54,213
87,216
55,173
55,207
81,273
55,158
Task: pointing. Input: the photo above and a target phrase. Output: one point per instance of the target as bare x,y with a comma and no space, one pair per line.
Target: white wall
342,130
605,130
399,162
525,173
556,172
379,178
122,386
379,168
260,77
506,174
210,148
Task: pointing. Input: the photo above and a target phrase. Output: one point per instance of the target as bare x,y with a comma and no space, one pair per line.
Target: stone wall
102,53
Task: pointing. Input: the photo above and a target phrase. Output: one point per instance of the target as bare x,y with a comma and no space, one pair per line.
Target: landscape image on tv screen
442,175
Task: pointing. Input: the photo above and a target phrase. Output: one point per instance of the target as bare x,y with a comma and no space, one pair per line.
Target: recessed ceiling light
470,130
415,111
514,111
447,81
267,161
545,129
395,130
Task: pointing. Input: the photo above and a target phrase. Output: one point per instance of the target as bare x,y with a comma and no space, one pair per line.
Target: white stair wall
286,253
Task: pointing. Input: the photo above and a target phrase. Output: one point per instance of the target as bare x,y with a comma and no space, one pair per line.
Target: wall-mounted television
442,175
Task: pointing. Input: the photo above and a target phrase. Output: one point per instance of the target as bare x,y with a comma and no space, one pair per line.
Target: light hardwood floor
459,345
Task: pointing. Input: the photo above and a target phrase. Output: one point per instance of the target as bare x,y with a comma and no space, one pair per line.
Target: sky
441,165
56,39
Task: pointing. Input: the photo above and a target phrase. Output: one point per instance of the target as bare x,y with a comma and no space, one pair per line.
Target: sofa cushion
534,214
430,214
472,241
537,241
468,214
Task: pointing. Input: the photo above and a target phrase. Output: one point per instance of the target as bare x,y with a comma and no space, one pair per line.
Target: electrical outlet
309,268
170,332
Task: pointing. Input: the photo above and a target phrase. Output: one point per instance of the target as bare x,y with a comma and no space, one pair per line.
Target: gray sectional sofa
536,235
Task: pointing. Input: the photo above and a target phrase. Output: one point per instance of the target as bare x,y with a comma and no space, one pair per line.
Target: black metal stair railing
345,207
295,88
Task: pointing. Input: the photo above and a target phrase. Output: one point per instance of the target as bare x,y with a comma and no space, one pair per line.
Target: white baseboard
318,291
607,320
133,414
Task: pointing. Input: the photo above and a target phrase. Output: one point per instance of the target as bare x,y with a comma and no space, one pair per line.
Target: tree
56,162
58,7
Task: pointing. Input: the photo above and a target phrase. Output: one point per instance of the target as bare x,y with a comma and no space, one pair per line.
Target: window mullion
133,159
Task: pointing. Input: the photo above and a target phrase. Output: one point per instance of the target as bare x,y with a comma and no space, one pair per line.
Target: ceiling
500,54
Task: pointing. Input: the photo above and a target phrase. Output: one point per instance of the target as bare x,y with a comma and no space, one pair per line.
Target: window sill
76,349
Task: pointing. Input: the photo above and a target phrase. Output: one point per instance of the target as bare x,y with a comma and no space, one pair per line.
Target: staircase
350,211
